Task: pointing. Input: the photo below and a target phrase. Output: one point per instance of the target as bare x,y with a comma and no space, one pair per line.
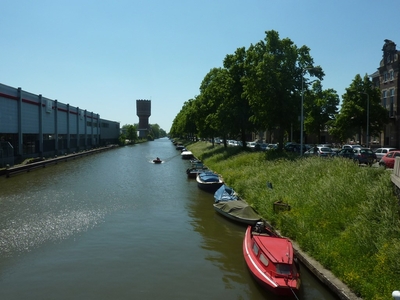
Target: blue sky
103,55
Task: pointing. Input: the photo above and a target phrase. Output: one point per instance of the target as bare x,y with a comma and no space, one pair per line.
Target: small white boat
187,155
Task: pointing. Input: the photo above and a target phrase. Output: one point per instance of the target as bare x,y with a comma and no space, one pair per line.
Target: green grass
343,215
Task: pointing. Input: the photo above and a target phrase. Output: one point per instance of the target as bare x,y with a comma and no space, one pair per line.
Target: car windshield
325,149
366,151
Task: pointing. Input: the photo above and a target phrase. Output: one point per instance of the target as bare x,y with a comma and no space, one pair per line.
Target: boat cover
209,177
225,193
186,153
239,209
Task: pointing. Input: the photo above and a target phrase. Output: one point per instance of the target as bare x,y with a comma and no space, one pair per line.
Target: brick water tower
143,111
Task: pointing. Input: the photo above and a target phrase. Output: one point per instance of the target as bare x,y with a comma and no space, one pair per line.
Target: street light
367,117
302,109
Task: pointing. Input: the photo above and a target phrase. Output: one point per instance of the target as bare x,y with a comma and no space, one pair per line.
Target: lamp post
302,109
367,117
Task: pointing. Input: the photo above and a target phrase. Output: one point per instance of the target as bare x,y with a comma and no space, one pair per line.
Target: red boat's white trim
254,264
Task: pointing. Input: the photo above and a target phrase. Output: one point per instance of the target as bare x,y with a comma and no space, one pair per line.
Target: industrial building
34,126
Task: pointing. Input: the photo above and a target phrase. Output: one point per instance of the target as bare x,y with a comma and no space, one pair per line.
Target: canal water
116,226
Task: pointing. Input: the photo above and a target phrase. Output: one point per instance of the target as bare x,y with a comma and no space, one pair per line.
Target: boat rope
294,294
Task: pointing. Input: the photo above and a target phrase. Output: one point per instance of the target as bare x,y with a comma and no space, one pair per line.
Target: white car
251,145
351,146
380,152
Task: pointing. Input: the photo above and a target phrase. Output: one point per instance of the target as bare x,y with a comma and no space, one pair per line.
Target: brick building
387,79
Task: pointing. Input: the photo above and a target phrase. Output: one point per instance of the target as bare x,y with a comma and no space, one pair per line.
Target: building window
384,93
391,102
391,75
385,76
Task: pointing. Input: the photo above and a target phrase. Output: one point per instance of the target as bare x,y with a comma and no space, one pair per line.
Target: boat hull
264,275
192,173
209,186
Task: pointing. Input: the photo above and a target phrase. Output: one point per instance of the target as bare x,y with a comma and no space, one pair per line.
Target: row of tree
130,132
262,88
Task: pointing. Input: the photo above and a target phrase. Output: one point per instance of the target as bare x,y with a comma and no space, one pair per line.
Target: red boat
271,260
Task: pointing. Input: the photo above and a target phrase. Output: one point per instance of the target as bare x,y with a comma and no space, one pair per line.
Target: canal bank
43,162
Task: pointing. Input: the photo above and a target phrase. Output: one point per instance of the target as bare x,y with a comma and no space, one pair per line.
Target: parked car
364,156
320,151
350,146
293,147
272,146
389,158
263,146
380,152
232,143
251,145
346,153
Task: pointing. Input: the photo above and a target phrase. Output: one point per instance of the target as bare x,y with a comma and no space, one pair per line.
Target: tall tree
184,124
238,103
214,104
361,108
321,107
275,81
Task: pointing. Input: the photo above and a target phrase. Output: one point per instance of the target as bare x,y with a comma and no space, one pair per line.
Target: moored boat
196,169
186,154
271,260
209,181
228,203
237,210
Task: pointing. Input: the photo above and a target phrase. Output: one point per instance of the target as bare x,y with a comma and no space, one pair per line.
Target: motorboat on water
157,160
209,181
271,260
228,203
195,169
187,154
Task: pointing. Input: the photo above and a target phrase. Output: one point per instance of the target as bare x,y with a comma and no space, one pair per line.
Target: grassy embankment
343,215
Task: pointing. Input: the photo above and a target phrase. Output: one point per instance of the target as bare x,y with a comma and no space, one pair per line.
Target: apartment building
387,79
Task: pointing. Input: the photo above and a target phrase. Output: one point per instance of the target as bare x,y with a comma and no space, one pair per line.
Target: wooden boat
209,181
271,260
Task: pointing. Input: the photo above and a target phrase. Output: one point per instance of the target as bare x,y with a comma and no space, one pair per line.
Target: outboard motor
259,227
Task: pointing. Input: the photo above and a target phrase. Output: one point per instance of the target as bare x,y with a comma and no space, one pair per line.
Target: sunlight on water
29,230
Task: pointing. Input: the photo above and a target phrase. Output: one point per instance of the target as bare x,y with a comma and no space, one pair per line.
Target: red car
389,158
